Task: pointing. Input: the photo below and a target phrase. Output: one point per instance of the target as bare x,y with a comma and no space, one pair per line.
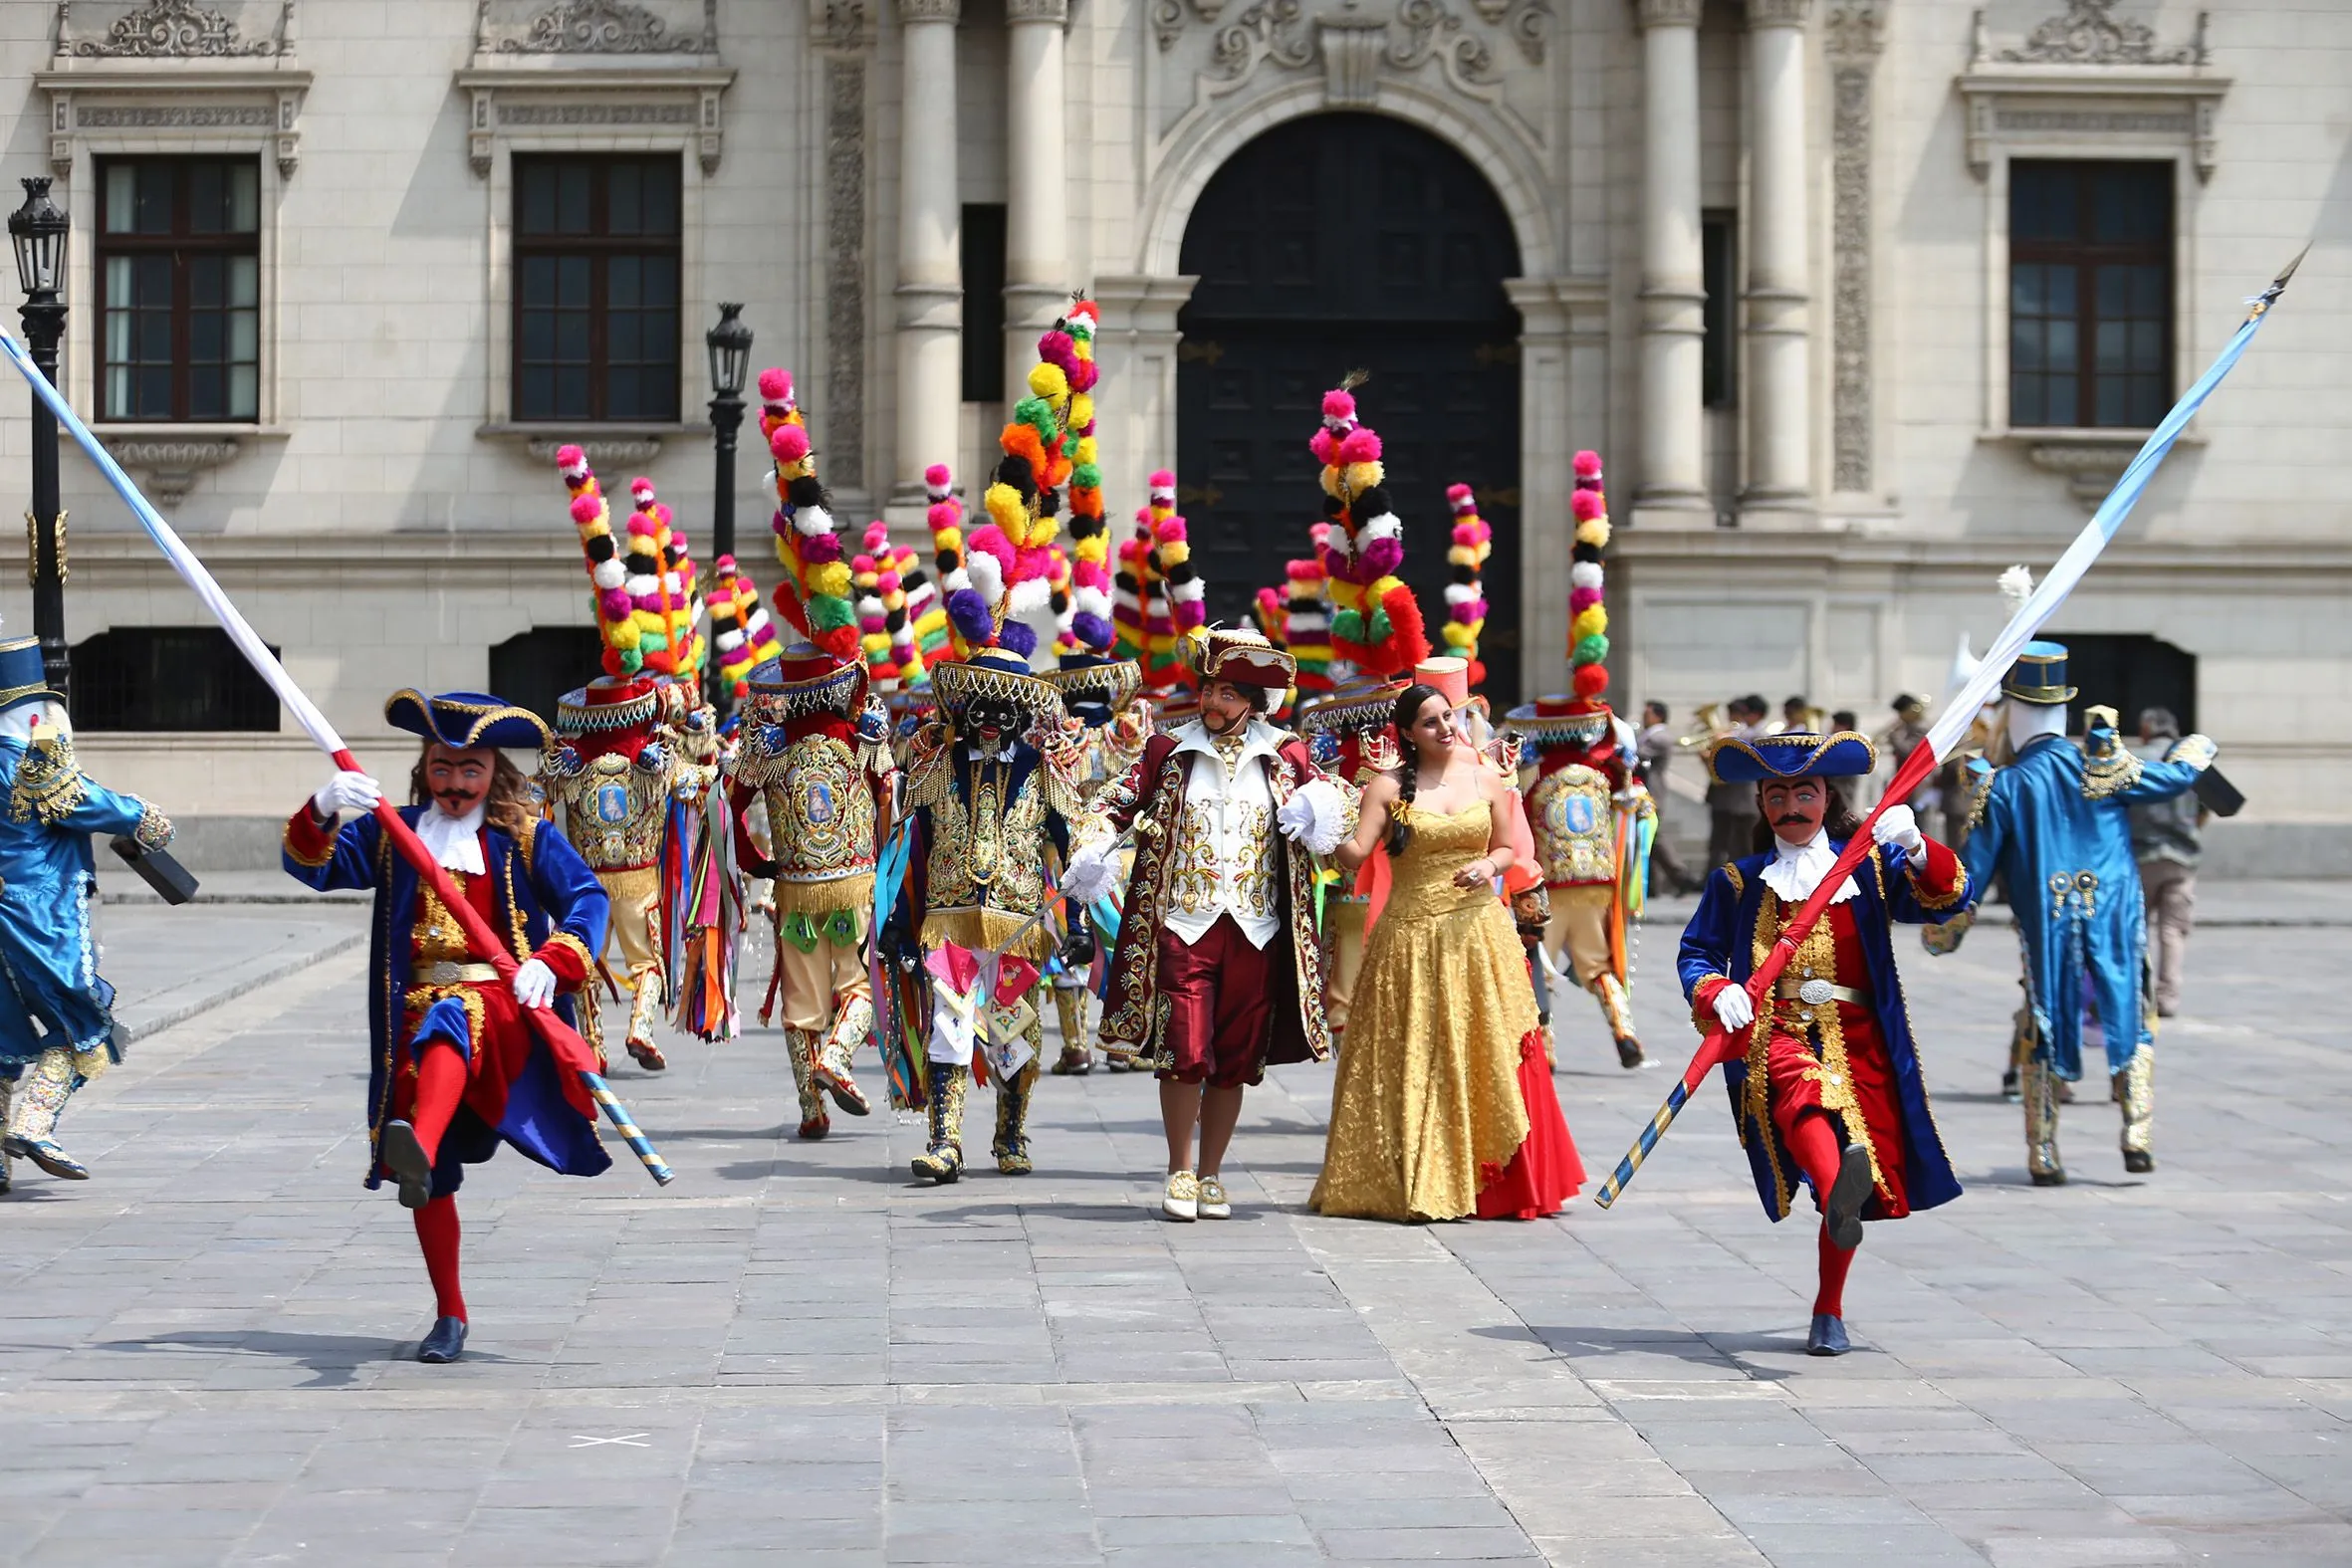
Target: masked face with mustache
460,779
1794,807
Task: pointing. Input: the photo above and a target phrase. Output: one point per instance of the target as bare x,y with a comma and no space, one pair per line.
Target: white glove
534,984
1088,876
1315,817
1897,826
1733,1009
347,791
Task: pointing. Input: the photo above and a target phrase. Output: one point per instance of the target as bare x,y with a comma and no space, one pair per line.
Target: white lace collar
1797,869
454,840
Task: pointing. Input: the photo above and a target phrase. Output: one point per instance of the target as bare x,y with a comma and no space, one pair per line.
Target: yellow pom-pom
948,538
622,634
1364,476
1330,478
1081,410
1175,554
1003,505
1084,450
1041,533
1047,380
1593,532
1457,634
1382,587
831,579
1462,555
1589,622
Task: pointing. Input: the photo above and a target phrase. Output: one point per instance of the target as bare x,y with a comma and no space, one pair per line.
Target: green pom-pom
1086,476
1347,625
828,613
1037,414
631,661
1591,650
1381,627
654,639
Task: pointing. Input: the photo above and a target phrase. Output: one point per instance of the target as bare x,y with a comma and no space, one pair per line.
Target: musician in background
1654,750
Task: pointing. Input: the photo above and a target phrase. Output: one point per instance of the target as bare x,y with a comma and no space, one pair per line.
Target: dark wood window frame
598,247
186,247
2097,287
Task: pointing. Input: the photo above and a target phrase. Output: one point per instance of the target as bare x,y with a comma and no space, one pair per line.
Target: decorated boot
1617,1008
814,1122
831,1069
2135,1091
32,1121
1070,1007
942,1160
2040,1087
1011,1145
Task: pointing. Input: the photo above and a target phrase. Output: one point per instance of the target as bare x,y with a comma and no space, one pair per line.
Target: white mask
17,722
2030,720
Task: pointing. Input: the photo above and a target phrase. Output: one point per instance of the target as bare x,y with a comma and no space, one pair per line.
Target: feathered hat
638,608
1588,618
1466,595
1375,623
990,651
814,595
740,629
1087,617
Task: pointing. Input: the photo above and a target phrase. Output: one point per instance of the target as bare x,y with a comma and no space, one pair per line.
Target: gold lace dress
1426,1108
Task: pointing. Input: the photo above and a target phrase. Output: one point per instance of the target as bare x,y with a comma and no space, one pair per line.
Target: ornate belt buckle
1814,992
442,973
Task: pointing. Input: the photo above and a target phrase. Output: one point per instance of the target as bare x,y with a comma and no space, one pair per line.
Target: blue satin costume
2075,891
1721,941
543,892
48,956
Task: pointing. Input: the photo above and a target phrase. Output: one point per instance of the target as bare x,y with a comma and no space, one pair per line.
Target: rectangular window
984,302
2090,294
1721,350
179,288
169,678
596,289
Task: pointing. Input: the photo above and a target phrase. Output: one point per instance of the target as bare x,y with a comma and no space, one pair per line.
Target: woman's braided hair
1408,707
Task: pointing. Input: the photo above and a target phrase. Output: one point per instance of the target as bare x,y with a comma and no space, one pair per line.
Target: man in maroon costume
1217,970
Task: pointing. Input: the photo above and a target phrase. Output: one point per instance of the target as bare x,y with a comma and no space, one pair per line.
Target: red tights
1814,1143
437,1237
440,1085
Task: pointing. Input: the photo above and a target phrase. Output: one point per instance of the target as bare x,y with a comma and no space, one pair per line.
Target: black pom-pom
1049,503
1182,573
1332,507
1463,573
1371,502
947,561
1013,471
1584,552
599,547
805,491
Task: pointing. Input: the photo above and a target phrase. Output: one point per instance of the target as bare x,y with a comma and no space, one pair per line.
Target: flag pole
566,1045
1953,723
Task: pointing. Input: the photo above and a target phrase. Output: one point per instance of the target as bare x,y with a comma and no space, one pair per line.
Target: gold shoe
1182,1199
1214,1205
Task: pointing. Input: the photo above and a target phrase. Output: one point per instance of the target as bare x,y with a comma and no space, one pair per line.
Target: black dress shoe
404,1157
1827,1337
2056,1178
444,1344
1630,1052
1843,1213
2138,1161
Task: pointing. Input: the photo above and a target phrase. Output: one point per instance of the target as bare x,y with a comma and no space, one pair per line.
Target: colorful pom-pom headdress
815,595
1580,717
1466,595
1375,621
885,621
1162,598
645,612
741,633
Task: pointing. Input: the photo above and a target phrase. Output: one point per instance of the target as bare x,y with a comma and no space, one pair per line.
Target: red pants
1220,999
1795,1075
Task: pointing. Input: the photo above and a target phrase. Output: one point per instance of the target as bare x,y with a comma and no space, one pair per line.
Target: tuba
1707,726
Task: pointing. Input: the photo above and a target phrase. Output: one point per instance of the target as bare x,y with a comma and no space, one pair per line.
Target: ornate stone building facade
1862,300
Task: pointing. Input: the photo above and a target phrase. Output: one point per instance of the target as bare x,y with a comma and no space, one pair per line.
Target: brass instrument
1707,726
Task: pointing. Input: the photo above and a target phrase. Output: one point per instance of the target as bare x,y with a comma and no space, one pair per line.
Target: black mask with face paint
1001,714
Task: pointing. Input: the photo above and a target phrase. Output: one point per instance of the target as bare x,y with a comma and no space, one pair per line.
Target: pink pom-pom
617,603
1382,556
990,540
887,580
1459,497
568,456
1082,375
586,508
724,565
943,514
1056,347
861,564
641,526
776,385
1470,534
1319,532
1325,446
1470,613
641,488
1586,504
1338,404
936,475
1162,479
877,535
1588,464
1582,599
1361,446
1175,530
790,443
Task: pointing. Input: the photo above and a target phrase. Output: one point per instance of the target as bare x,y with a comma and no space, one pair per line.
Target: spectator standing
1730,809
1654,750
2167,842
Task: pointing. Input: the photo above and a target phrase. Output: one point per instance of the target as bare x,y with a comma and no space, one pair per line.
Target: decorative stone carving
171,30
1669,13
840,24
1851,38
1778,13
1354,45
930,10
609,452
597,27
2087,34
171,467
1054,10
1852,29
2089,467
844,270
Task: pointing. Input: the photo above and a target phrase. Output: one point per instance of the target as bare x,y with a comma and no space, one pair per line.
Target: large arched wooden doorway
1340,242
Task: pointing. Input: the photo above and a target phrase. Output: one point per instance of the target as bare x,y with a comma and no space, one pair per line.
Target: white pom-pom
809,522
1197,589
1584,574
870,604
1386,526
2017,587
644,587
728,641
1460,594
671,586
985,574
1094,601
757,623
609,572
1338,543
1030,595
961,577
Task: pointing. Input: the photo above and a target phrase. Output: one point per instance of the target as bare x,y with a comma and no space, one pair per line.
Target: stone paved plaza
792,1355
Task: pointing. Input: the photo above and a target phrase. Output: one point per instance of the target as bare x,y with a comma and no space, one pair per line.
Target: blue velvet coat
1721,940
544,893
2075,891
48,957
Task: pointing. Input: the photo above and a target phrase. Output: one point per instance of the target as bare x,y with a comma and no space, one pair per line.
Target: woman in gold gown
1430,1107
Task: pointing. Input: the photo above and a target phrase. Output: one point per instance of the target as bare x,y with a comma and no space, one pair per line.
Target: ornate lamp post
730,345
37,230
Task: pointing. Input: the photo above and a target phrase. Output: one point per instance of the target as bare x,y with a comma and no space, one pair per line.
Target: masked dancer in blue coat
56,1019
455,1067
1829,1090
2055,825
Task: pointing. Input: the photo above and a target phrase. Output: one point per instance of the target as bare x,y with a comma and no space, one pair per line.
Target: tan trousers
2169,889
1580,928
818,982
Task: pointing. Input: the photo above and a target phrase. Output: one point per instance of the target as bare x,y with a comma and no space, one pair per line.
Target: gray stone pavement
794,1355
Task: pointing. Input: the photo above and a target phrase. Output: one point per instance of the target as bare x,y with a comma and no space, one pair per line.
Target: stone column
1136,409
1673,285
1778,393
930,266
1852,29
1036,214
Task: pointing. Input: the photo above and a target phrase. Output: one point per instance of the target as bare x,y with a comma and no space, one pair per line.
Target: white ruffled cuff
1316,816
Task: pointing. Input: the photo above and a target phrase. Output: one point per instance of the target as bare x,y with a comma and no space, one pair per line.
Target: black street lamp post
37,230
730,345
